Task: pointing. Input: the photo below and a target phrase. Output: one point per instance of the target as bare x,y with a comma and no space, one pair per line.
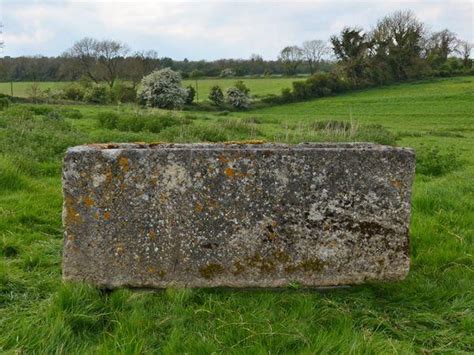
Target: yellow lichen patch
223,159
72,216
119,249
104,145
211,270
151,269
257,141
229,172
198,207
106,215
152,234
124,164
397,184
89,201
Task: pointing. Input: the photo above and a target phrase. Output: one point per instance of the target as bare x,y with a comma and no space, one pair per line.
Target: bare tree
98,60
464,49
141,64
110,54
313,53
443,43
291,58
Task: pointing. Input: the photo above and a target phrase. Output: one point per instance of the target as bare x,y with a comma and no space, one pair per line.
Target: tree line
398,48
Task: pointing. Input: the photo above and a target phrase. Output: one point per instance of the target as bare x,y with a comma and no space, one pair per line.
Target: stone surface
237,215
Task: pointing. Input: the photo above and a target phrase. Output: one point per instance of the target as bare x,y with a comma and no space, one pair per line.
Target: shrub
190,94
227,72
107,119
122,92
73,92
239,84
40,109
162,89
4,103
237,98
431,162
71,113
97,94
216,95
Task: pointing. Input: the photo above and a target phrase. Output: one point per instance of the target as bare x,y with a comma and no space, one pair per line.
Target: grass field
258,87
429,312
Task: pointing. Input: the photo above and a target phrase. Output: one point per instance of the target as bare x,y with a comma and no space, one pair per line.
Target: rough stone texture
238,215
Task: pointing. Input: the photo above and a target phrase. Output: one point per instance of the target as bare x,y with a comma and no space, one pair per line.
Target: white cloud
207,29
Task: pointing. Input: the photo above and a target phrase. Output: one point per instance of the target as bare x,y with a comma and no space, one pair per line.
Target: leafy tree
398,41
216,96
313,52
352,47
291,58
162,88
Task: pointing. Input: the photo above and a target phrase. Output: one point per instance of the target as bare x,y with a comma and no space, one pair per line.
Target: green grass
258,87
429,312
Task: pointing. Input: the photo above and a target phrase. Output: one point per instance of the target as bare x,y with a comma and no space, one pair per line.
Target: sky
207,29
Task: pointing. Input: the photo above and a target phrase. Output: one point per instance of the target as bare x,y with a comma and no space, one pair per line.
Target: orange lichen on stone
72,216
89,201
152,234
198,207
106,215
229,172
397,184
223,159
123,162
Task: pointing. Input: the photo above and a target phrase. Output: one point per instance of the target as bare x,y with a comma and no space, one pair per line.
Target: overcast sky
207,29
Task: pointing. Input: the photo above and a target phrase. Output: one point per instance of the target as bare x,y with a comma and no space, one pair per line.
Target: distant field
430,312
258,87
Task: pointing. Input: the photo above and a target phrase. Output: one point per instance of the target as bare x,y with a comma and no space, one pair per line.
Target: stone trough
236,215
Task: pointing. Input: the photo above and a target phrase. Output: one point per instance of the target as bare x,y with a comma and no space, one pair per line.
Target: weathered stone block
238,215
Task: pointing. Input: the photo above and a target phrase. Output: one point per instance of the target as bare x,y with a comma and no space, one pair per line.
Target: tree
141,64
398,40
99,60
291,57
464,49
313,52
163,89
352,47
216,95
439,46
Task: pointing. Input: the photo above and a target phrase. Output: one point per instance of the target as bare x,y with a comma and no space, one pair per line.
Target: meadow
258,86
431,311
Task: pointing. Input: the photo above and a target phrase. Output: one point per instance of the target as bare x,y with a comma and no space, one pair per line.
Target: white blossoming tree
162,89
237,98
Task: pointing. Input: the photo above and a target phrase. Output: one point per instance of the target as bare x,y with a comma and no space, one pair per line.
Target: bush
237,98
137,122
162,89
190,94
107,119
122,92
97,94
431,162
216,95
239,84
71,113
227,72
73,92
4,103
